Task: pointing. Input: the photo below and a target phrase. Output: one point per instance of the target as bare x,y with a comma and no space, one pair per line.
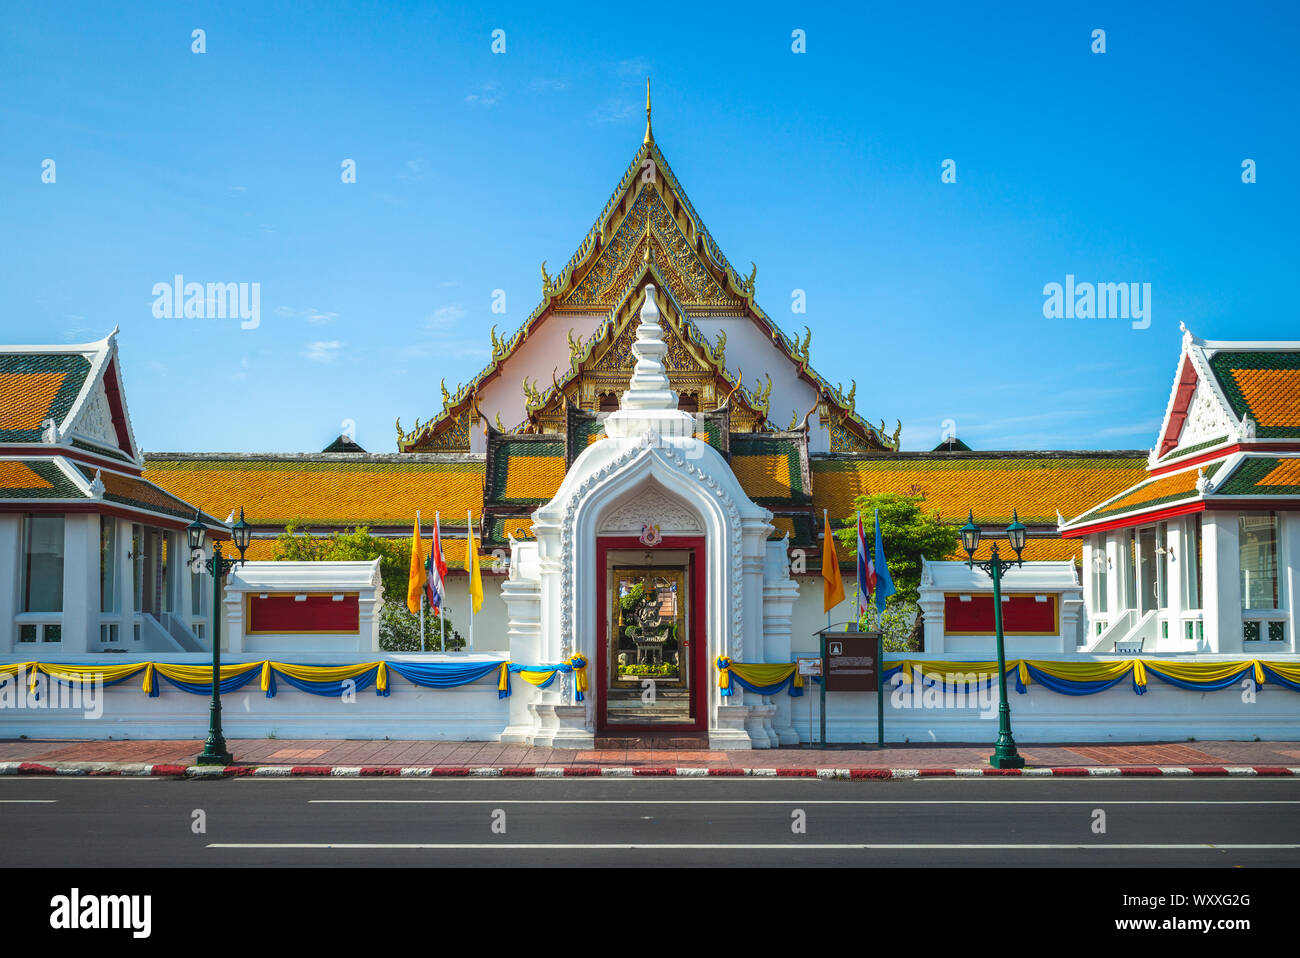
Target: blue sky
473,167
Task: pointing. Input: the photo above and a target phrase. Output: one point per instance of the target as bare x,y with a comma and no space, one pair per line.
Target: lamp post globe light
1004,753
214,749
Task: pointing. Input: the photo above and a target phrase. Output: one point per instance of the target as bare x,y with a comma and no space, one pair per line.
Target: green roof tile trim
1208,444
163,501
747,445
1102,512
104,451
75,367
1245,479
60,486
1223,363
583,432
511,449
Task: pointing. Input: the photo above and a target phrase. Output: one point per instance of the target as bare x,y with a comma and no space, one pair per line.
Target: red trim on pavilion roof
1182,400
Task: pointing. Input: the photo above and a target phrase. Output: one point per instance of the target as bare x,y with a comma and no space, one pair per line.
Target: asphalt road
90,822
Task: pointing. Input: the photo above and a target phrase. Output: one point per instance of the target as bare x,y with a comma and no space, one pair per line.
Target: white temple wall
491,622
475,713
535,359
11,543
1220,581
751,352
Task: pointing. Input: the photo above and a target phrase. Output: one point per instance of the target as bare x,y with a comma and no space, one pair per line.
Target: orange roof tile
325,492
534,477
764,476
19,475
28,398
1036,485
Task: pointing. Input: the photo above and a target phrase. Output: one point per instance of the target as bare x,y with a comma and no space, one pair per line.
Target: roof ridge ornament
649,387
649,135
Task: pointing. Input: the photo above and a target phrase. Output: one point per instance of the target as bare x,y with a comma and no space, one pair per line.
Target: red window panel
1021,615
316,612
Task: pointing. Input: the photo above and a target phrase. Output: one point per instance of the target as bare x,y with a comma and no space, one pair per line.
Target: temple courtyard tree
399,629
909,532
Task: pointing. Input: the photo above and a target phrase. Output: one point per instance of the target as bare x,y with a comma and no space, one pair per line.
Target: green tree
909,532
399,628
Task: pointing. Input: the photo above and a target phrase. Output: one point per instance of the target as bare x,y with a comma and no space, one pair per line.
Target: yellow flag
415,584
471,564
832,583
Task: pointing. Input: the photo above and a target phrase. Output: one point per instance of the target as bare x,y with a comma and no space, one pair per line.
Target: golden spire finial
649,137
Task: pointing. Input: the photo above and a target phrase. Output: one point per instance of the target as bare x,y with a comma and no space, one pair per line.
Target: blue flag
884,584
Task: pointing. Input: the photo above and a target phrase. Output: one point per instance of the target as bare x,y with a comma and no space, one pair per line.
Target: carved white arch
692,485
648,501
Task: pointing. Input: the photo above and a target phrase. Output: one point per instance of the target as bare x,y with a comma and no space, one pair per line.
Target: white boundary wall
474,713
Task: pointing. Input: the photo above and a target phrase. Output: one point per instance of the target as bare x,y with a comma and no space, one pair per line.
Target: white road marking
765,801
792,846
28,801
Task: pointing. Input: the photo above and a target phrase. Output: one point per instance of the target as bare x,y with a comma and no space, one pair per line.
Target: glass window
107,564
1162,565
196,593
1099,599
1148,564
166,574
1192,564
137,565
43,564
1129,558
1257,549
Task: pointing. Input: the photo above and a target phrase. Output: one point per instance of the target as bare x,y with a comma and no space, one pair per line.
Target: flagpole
418,534
826,538
857,584
442,607
469,537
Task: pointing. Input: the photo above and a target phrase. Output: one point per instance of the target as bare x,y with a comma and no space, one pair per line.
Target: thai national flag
434,588
866,572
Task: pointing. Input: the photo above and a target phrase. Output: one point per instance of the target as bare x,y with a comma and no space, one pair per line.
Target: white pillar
522,594
125,586
80,584
11,544
1288,568
1176,544
1221,580
779,594
1114,574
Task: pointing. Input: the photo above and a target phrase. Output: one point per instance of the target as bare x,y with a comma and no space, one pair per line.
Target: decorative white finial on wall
649,388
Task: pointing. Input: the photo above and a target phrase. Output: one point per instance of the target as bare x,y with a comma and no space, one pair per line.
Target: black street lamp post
214,749
1004,753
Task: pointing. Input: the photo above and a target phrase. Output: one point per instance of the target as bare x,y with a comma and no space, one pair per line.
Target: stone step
646,741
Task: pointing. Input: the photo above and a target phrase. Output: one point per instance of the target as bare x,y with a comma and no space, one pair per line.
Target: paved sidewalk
348,757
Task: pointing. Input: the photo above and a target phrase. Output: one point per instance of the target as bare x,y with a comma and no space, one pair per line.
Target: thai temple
643,468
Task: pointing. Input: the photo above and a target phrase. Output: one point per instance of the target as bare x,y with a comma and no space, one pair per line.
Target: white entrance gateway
652,493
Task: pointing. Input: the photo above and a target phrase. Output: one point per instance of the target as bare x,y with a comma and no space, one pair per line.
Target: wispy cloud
445,317
322,351
616,110
549,85
487,95
413,171
632,67
315,317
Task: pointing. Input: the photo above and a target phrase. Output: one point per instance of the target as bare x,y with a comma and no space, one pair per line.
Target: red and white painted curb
587,771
